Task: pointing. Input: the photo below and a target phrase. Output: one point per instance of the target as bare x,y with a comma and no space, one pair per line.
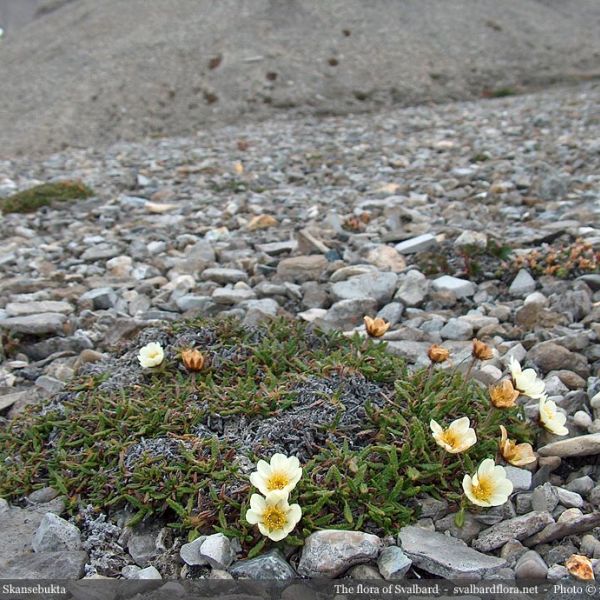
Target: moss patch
43,195
183,444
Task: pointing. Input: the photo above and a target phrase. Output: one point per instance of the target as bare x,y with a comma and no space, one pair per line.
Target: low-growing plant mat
182,445
43,195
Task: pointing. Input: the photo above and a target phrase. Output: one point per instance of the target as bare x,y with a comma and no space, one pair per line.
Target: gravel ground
329,220
93,72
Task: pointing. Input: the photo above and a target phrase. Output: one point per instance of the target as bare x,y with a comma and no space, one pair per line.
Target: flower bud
482,351
437,354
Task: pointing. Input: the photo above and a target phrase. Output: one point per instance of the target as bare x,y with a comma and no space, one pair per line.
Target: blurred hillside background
88,72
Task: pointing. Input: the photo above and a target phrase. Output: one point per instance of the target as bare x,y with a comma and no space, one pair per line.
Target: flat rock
582,445
42,324
271,565
347,314
222,275
302,268
517,528
46,565
416,244
330,552
378,285
22,309
559,530
520,478
447,557
216,551
413,288
461,288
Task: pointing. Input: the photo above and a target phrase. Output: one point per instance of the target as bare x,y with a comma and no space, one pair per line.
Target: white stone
416,244
460,287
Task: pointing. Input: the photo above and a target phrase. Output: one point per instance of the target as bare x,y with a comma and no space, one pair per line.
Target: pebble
416,244
328,553
461,288
531,566
270,565
393,563
544,498
583,445
41,324
522,285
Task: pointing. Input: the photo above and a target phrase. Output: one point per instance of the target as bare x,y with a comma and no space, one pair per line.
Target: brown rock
302,268
549,356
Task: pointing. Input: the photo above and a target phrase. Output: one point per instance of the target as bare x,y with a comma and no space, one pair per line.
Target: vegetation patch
179,442
44,195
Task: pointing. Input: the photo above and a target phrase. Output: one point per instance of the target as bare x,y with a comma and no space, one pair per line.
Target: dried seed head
437,354
193,359
482,351
376,327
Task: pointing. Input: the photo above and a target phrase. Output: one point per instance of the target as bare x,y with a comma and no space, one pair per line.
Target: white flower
151,355
489,486
457,438
527,381
273,515
552,419
282,474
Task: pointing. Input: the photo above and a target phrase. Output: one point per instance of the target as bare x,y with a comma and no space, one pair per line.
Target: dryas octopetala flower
437,354
151,355
481,351
513,453
552,419
274,516
193,359
503,394
458,437
489,486
282,474
580,567
527,381
376,327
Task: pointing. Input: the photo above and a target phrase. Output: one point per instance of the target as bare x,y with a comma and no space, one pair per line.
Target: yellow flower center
274,518
154,354
451,438
277,481
483,490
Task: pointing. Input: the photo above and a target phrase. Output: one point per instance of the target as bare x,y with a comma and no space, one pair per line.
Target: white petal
486,467
257,504
460,425
263,468
279,462
252,517
258,481
435,427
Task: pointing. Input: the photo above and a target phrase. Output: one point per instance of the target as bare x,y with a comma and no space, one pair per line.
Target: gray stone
101,298
235,295
461,288
531,566
583,445
522,284
99,252
447,557
520,478
148,573
557,572
46,565
544,498
35,324
347,314
393,563
216,551
417,244
456,329
569,499
408,350
190,552
21,309
55,534
43,495
142,544
221,275
328,553
466,532
517,528
271,565
549,356
378,285
412,289
199,304
563,528
431,507
361,572
50,385
581,485
471,239
391,312
523,503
